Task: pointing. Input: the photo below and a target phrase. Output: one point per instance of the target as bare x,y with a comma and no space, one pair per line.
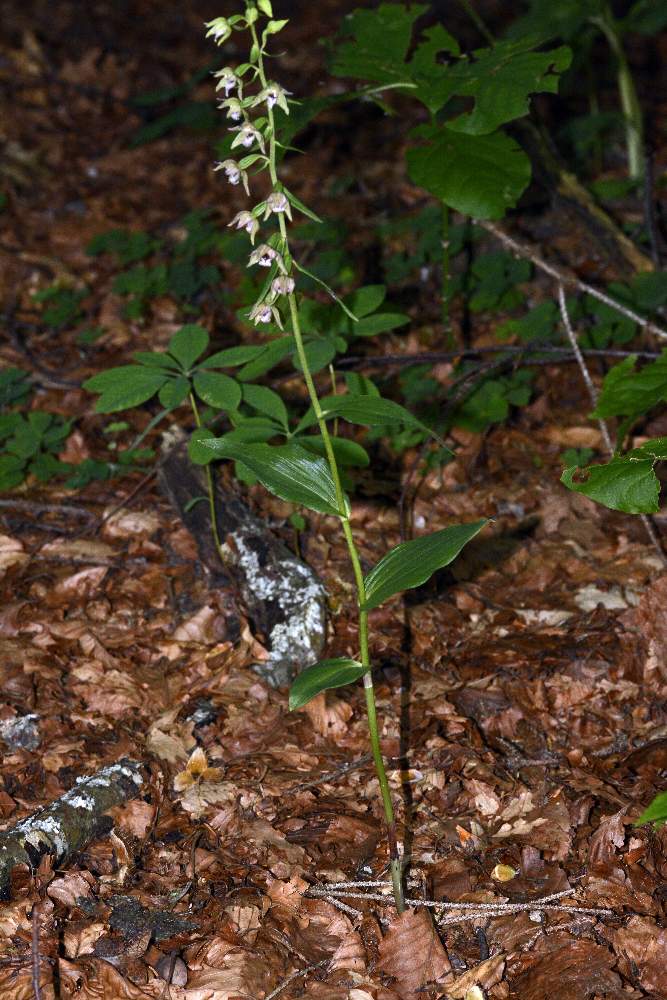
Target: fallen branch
463,911
68,824
566,278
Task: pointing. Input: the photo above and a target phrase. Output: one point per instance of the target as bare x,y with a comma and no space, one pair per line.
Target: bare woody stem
342,504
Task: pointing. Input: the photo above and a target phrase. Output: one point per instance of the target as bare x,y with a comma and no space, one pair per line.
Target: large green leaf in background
368,411
478,175
627,483
323,676
413,563
500,79
126,386
626,392
288,471
188,344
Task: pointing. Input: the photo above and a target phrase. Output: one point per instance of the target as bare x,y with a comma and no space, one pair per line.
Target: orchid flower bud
247,136
234,108
228,80
282,285
219,28
273,94
277,202
265,255
233,172
247,221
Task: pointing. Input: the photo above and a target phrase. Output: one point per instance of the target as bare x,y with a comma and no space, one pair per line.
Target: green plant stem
632,112
209,484
343,507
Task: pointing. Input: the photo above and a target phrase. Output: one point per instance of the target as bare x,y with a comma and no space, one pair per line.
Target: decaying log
68,824
283,597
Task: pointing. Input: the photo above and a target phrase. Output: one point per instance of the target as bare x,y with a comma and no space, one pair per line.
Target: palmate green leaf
412,563
324,676
126,386
288,471
501,80
366,299
188,344
655,813
625,483
217,390
232,357
368,411
626,392
478,175
369,326
174,392
266,401
271,355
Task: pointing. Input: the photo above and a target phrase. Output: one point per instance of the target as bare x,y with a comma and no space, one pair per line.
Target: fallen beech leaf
80,940
70,889
412,953
128,522
328,714
473,983
11,553
644,944
170,740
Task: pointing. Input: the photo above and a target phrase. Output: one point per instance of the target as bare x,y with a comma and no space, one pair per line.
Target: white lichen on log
69,823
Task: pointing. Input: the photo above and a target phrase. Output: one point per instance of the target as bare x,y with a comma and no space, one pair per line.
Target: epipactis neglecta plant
249,100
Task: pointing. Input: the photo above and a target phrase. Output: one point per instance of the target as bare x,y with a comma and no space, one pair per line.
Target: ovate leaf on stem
412,563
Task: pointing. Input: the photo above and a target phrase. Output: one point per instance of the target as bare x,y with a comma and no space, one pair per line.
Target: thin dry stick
471,909
36,988
592,392
295,975
563,278
585,374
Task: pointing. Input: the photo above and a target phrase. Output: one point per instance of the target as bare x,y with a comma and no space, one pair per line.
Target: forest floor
523,699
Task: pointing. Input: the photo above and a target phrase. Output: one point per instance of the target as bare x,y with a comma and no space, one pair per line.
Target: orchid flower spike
247,136
247,221
273,94
219,29
233,173
282,285
277,202
263,312
265,256
228,80
234,108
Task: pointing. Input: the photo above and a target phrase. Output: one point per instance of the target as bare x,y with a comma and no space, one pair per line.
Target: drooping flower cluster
256,135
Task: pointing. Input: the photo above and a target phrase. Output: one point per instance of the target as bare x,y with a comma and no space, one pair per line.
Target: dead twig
464,911
604,430
34,951
563,277
295,975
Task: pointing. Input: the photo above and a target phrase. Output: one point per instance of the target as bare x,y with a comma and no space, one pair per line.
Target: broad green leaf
266,401
198,450
478,175
231,357
412,563
369,326
368,411
626,392
153,359
324,676
188,344
288,471
174,392
271,355
378,43
253,430
501,80
624,483
217,390
348,453
124,387
655,813
319,353
366,299
361,385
